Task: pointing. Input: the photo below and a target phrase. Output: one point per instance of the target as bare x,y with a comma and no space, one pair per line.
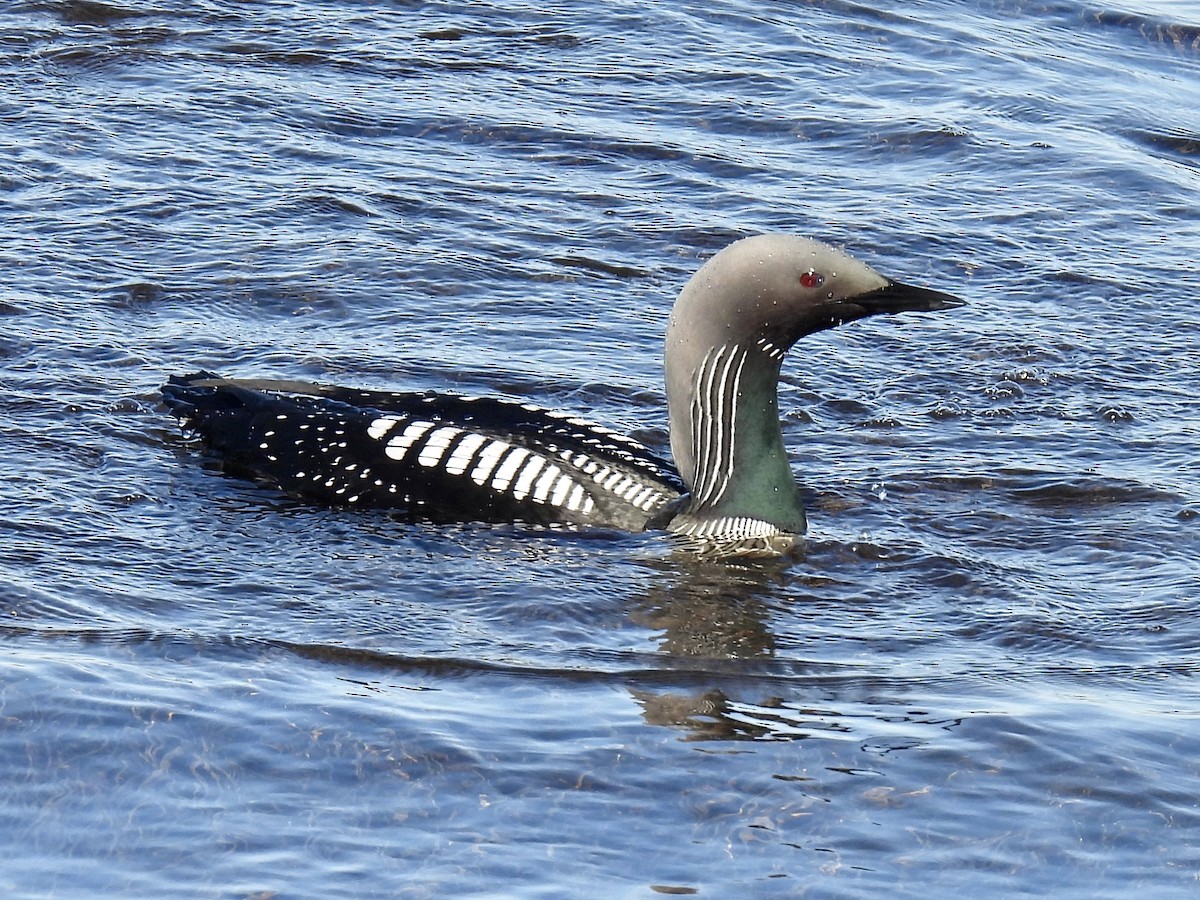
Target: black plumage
438,456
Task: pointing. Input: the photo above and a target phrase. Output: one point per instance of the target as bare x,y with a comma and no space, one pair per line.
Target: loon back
438,456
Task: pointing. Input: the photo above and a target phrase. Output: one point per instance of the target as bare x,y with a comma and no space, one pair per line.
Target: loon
446,458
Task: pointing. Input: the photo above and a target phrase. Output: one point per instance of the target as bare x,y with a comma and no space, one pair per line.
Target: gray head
777,288
730,328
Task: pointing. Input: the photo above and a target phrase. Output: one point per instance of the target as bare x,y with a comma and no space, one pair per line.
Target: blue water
980,672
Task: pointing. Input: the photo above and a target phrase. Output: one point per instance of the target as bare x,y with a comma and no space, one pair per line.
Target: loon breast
437,456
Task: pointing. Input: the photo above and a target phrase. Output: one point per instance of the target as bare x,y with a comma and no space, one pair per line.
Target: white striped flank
577,499
436,445
586,431
714,421
643,499
488,457
545,484
626,486
464,453
529,471
508,468
562,488
399,446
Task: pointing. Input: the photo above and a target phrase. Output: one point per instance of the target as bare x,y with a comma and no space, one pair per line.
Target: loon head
732,324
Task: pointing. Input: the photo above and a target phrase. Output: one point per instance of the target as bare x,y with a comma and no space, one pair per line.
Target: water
980,673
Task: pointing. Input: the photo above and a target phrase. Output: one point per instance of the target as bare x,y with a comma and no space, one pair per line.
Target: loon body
450,458
441,456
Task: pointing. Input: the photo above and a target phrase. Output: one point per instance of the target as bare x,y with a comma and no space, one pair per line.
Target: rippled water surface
979,673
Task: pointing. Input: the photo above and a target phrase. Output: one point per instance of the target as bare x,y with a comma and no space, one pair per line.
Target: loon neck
726,438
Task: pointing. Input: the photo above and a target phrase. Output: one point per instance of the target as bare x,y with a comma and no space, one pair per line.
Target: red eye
811,279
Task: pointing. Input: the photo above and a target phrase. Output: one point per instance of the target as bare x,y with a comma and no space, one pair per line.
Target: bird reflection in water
712,609
713,617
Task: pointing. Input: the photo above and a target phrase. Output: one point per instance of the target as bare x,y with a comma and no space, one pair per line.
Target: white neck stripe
714,421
